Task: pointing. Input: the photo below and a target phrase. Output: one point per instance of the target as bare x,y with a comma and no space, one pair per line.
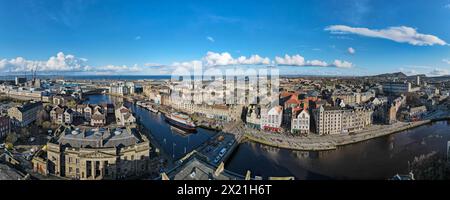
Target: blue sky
342,37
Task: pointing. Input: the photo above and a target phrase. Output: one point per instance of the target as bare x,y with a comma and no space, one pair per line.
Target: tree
11,137
46,125
24,133
41,117
71,103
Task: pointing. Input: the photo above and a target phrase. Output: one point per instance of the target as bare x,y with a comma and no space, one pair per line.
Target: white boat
180,120
151,108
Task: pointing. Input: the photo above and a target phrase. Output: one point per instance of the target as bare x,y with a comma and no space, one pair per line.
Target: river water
379,158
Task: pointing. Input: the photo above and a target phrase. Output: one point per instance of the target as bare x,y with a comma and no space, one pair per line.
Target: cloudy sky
329,37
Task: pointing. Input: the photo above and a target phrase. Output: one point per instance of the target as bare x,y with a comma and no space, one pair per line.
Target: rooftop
196,169
99,137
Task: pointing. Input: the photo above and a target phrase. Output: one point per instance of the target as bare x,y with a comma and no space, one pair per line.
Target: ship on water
181,132
151,108
181,121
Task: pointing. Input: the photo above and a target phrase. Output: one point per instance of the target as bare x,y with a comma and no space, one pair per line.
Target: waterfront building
20,80
61,114
87,111
5,127
253,117
122,88
300,121
333,120
25,114
24,93
416,112
356,119
93,154
328,120
119,90
271,119
98,118
216,111
124,116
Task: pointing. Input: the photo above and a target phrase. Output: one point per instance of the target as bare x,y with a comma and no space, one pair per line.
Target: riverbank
330,142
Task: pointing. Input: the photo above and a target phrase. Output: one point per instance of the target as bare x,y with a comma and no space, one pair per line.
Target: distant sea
122,77
92,77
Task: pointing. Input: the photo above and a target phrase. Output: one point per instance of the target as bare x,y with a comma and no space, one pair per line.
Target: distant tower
418,80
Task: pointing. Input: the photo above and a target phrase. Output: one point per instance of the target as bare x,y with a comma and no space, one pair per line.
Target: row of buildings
96,115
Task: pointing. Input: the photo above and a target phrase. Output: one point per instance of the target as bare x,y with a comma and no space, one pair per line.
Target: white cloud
316,63
211,39
60,62
351,50
191,65
446,61
295,60
342,64
427,70
152,65
298,60
401,34
225,58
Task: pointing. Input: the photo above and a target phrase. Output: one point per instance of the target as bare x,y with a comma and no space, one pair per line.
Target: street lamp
173,150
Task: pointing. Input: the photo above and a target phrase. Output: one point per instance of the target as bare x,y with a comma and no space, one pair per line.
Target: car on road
222,151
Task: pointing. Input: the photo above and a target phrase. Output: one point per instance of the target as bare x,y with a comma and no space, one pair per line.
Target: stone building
333,120
94,154
25,114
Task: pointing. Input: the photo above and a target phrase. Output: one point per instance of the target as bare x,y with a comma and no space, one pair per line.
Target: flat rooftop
80,137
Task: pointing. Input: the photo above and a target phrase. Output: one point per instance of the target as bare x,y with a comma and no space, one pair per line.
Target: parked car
222,152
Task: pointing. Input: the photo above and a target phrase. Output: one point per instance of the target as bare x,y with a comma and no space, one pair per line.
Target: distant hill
392,75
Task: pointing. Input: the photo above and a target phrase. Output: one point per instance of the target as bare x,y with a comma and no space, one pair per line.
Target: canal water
379,158
173,142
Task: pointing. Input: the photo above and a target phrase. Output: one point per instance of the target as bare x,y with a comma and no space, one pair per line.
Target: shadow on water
379,158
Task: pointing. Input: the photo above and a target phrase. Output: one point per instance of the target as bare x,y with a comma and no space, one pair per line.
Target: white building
124,116
271,120
300,122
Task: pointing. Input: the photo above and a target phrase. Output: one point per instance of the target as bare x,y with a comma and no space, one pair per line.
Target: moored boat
180,120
